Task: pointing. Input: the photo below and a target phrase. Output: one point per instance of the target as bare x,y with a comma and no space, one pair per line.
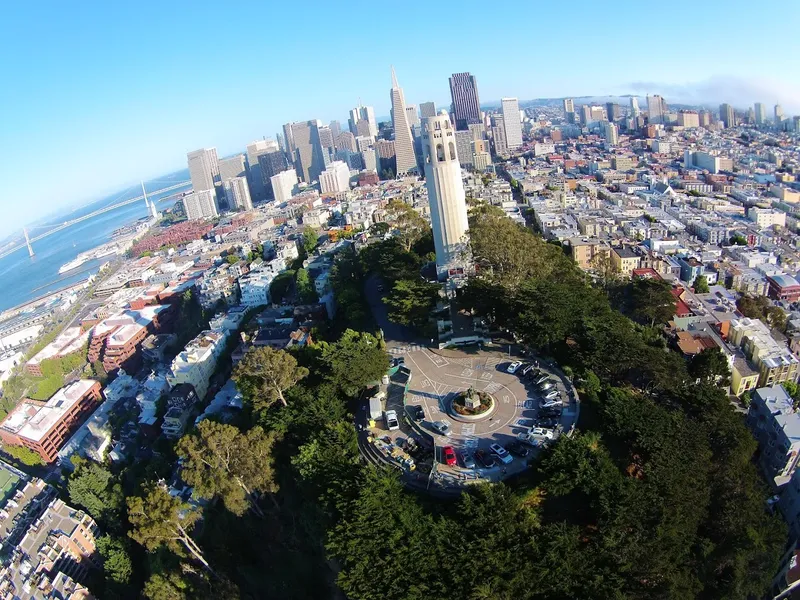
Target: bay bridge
60,227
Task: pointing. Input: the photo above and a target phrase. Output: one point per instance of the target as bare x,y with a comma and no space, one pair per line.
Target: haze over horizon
121,92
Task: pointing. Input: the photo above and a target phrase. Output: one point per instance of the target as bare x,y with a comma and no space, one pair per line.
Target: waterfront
23,277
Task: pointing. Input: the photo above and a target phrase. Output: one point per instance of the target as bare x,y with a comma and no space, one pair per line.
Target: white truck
375,408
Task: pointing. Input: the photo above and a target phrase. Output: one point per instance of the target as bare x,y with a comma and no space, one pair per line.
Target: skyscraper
464,142
201,204
445,192
726,115
336,129
232,167
237,193
270,164
634,106
307,154
284,184
335,178
427,109
363,113
466,104
203,168
611,134
258,190
569,105
499,135
613,111
778,114
412,116
655,109
510,107
586,114
403,140
760,113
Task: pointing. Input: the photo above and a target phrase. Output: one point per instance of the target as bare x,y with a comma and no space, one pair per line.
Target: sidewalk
499,350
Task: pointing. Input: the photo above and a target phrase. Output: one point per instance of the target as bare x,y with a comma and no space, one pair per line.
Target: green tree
410,225
354,361
310,239
158,519
219,460
411,301
232,259
306,293
710,364
281,286
738,240
94,488
652,302
117,564
264,374
701,284
25,455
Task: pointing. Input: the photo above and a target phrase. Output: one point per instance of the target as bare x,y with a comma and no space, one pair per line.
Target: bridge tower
28,241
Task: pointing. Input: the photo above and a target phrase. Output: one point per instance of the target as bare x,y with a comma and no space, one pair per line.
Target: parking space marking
486,376
495,424
467,373
492,387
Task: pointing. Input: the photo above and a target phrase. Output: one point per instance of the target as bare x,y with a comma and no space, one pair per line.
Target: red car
449,455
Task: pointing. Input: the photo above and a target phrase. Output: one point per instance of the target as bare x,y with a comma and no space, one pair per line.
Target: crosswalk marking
406,349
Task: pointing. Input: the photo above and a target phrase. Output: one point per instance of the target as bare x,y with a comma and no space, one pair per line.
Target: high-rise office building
346,141
412,116
760,113
258,189
597,113
308,160
634,106
586,114
511,120
403,140
464,142
611,133
270,164
232,167
284,185
201,204
203,168
427,109
237,192
325,136
656,108
727,115
499,135
466,103
363,113
688,118
335,178
778,114
613,111
336,129
446,196
569,105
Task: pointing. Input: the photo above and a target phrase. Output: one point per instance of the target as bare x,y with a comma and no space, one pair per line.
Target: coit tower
445,193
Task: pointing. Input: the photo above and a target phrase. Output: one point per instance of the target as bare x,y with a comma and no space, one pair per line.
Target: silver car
441,427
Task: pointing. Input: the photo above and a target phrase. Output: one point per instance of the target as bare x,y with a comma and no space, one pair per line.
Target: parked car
417,412
512,368
541,379
547,422
441,427
391,420
525,370
552,411
541,432
546,386
449,455
501,453
517,449
552,394
550,403
486,460
467,460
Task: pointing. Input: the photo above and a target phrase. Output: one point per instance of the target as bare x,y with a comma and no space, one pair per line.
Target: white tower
445,193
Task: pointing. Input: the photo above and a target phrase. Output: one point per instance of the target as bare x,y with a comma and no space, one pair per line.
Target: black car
517,449
551,412
486,460
548,422
533,374
525,369
418,413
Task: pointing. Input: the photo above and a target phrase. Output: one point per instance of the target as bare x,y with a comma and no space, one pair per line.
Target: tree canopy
354,361
264,374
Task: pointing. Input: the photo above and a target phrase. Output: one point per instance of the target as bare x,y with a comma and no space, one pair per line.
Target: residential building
404,142
464,141
774,361
499,135
237,192
466,103
510,108
585,251
766,217
284,185
446,195
254,288
203,168
783,287
180,404
688,118
44,426
569,105
624,260
201,205
335,178
196,363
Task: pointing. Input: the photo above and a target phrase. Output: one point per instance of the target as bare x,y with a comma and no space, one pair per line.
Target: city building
586,114
727,115
237,193
766,217
232,167
783,287
445,193
466,103
760,113
611,134
412,116
613,111
656,108
510,108
196,363
284,185
203,168
365,114
403,140
306,149
774,361
44,426
778,111
688,118
335,178
634,107
269,165
256,178
427,109
569,105
201,205
624,260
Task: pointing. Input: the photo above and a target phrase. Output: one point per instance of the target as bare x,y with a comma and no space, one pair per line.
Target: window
452,151
439,152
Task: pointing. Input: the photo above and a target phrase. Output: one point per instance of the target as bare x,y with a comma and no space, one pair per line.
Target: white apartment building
511,120
612,134
335,178
284,185
766,217
201,205
237,192
196,363
254,288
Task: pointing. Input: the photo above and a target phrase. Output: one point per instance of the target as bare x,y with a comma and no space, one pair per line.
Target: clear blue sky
97,95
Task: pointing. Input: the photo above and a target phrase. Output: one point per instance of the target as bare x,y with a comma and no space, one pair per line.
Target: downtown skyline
133,110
